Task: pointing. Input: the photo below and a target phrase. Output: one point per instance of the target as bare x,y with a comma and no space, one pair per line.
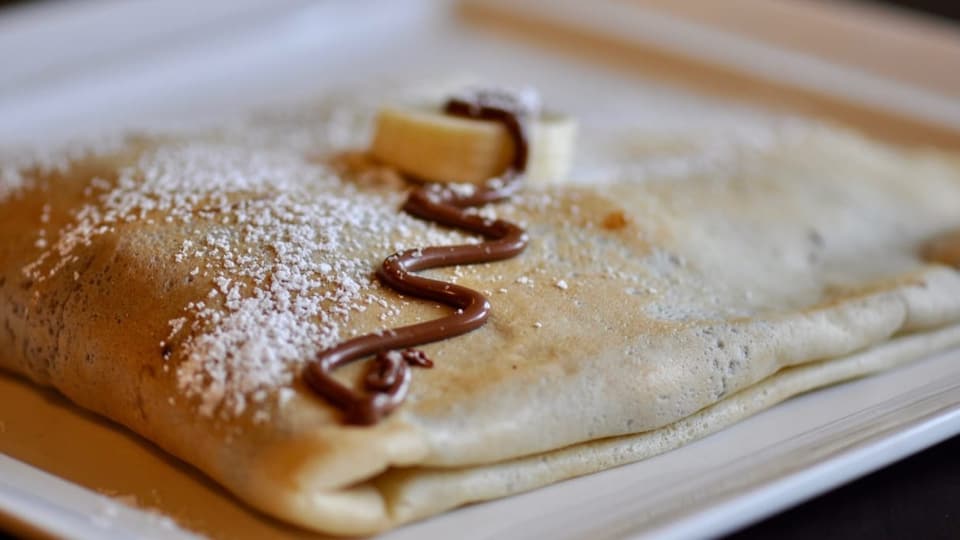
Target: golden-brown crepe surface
179,285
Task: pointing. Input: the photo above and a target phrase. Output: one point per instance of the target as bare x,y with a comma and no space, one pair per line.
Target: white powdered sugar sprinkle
288,247
19,165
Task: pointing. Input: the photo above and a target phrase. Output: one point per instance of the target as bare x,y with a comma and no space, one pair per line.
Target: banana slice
436,147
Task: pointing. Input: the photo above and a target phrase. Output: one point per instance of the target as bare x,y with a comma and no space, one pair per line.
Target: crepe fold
649,310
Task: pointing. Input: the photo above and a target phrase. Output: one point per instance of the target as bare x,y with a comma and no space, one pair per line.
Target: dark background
943,8
918,497
915,498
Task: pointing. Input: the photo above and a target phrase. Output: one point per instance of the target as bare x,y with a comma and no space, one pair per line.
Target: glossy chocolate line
388,377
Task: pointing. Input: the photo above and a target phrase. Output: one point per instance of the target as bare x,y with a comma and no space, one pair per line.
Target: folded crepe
179,285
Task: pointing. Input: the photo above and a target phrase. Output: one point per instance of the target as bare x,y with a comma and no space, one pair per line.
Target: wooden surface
884,45
889,43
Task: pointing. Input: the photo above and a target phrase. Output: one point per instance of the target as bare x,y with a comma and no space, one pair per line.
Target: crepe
178,285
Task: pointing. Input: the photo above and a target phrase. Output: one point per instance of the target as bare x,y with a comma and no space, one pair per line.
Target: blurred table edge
776,57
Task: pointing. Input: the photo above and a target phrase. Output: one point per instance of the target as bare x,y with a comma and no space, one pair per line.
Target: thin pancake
179,286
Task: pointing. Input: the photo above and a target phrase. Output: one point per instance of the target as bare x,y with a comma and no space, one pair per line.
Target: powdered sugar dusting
17,161
288,247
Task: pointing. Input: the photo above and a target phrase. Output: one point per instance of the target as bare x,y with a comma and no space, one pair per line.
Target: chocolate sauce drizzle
387,379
